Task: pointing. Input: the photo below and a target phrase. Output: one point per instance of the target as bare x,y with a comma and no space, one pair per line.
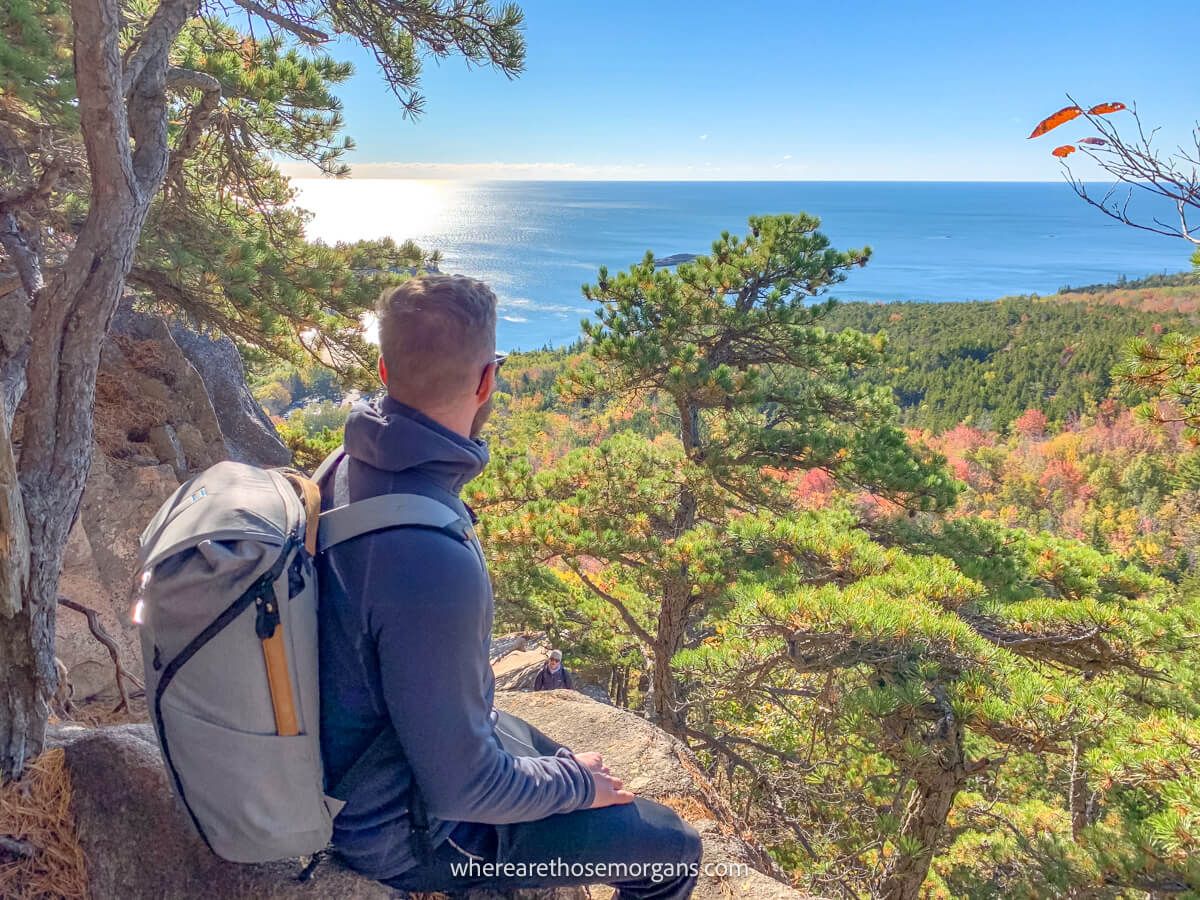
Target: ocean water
536,243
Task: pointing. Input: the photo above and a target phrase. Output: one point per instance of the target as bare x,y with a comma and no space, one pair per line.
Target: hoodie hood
394,437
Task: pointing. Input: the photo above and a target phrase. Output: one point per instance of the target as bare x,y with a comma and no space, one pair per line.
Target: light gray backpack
228,616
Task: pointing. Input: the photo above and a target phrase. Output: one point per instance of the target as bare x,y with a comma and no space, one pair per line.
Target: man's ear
487,384
382,370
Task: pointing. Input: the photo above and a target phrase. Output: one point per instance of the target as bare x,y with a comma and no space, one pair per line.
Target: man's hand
592,761
610,791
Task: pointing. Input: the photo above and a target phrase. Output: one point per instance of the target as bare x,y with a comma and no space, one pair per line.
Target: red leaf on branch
1094,141
1064,151
1104,109
1066,114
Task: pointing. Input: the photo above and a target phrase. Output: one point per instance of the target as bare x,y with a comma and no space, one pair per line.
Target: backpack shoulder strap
327,465
347,521
385,511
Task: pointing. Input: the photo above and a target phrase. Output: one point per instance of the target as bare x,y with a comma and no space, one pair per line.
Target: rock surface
98,570
517,659
249,434
156,426
653,764
146,383
516,671
139,844
503,644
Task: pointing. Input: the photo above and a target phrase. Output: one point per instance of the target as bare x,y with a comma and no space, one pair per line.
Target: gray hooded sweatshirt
405,624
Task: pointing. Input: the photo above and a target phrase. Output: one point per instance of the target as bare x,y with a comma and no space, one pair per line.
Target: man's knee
686,863
672,830
695,846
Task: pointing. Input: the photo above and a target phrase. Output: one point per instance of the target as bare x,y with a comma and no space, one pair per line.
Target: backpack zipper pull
268,616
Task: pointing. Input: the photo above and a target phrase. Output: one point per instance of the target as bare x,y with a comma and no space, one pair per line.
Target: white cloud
464,170
787,156
531,171
704,137
486,171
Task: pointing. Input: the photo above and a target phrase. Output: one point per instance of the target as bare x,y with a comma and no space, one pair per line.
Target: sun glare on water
358,209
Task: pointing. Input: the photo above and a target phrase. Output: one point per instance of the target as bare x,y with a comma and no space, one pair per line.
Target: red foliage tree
1031,423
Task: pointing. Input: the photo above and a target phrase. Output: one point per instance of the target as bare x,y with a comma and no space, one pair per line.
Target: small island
673,260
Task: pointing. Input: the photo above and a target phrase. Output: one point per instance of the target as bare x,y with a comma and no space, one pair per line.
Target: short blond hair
436,332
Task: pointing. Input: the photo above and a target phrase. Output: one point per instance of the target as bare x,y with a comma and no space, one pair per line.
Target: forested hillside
986,363
1019,395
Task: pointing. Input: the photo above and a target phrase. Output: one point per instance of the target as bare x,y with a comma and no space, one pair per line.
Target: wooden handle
280,683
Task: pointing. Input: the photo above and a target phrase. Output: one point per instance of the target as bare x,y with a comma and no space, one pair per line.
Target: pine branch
1083,648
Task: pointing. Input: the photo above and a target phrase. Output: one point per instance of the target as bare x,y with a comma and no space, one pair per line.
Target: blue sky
783,91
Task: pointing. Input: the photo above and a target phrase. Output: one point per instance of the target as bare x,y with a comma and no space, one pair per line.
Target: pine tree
963,655
732,348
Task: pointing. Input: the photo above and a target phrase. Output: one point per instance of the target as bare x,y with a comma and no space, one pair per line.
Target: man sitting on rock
553,675
445,793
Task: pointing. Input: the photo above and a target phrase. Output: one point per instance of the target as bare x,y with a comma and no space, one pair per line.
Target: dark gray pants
642,849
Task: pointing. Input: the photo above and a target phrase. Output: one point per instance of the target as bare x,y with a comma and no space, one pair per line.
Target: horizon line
594,180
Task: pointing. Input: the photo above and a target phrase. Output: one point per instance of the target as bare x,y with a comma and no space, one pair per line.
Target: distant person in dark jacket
554,674
443,792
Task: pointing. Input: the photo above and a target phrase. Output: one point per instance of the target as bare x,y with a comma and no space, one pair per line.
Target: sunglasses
496,363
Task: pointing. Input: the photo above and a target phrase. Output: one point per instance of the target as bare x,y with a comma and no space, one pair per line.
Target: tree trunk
924,820
14,534
14,323
1079,797
664,699
19,698
937,777
126,142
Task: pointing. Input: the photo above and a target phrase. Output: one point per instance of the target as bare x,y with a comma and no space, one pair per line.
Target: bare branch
38,191
100,634
818,651
1018,737
1139,165
306,33
21,250
156,40
193,131
621,608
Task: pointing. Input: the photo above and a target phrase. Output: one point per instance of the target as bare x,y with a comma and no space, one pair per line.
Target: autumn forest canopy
918,583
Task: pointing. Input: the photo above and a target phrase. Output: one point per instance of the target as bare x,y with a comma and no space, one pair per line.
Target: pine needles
35,811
